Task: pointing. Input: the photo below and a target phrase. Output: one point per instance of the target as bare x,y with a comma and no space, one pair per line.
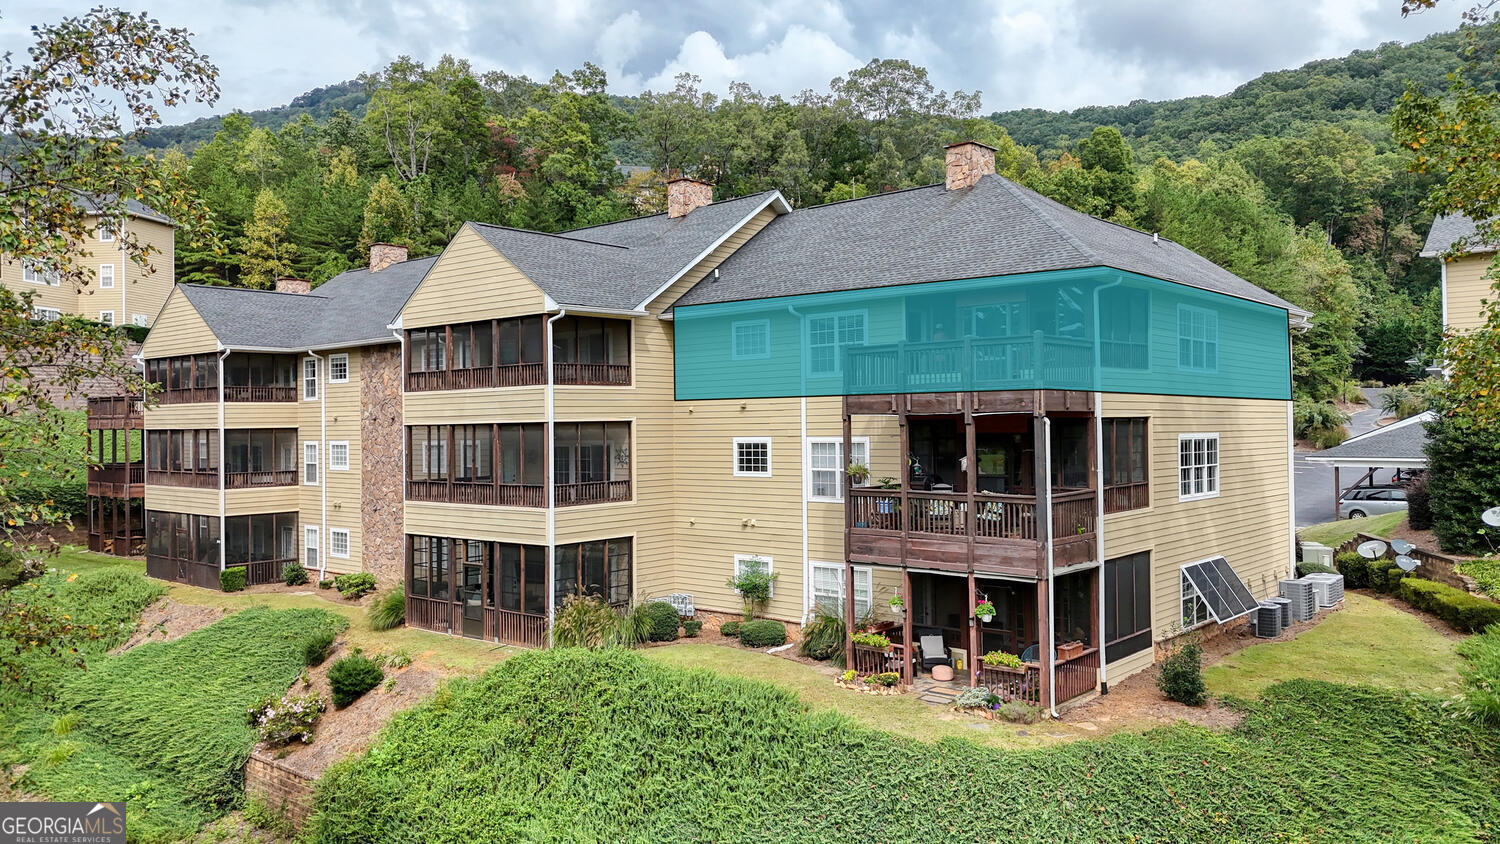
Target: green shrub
691,627
1306,568
1319,422
232,580
1401,402
1354,568
1486,574
1462,483
887,679
663,620
730,629
355,585
1387,581
1019,712
823,636
1462,611
325,583
389,610
762,633
281,720
1419,504
315,647
1181,677
16,569
1481,673
753,583
293,574
585,621
351,677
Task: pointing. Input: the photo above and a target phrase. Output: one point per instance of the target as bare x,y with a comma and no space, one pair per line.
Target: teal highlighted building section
1095,329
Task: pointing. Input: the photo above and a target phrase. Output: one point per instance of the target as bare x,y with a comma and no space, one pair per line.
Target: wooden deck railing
460,492
508,626
1077,676
117,473
194,480
999,363
1024,683
1122,497
519,628
249,480
591,373
188,395
868,661
115,412
259,393
505,375
593,492
946,513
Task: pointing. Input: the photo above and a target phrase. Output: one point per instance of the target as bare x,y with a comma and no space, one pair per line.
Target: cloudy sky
1054,54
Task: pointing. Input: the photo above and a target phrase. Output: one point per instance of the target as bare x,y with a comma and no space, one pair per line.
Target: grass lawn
902,715
1366,643
1336,533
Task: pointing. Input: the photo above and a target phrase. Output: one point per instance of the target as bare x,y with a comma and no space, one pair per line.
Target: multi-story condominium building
1464,282
958,395
121,292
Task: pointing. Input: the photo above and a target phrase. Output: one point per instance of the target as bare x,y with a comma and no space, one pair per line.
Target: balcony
251,480
107,413
117,480
506,375
600,374
191,480
592,492
259,393
999,363
463,492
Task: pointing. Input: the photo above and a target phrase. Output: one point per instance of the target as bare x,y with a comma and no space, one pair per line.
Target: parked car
1371,501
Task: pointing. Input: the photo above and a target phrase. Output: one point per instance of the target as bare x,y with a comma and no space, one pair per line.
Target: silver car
1371,501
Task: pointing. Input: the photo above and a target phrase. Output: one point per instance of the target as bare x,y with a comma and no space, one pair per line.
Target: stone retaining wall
278,787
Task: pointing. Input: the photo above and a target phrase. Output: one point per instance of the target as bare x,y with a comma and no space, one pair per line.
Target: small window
1194,608
106,276
828,588
751,339
747,562
310,463
826,467
338,542
828,335
1197,466
338,455
752,457
1197,339
338,369
140,319
107,318
46,314
309,378
39,274
106,234
310,545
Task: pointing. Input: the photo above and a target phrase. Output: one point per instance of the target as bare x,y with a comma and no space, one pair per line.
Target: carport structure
1399,445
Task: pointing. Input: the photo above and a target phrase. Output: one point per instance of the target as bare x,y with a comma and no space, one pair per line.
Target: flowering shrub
871,640
998,659
288,719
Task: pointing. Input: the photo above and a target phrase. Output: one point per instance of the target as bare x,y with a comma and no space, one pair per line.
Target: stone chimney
967,161
293,285
684,194
382,255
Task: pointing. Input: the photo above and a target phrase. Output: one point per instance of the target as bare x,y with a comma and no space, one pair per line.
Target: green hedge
1462,611
663,620
762,633
731,629
1306,568
232,580
351,677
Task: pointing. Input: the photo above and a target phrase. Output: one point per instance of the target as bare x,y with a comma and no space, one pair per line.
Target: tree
268,252
91,84
889,88
387,216
670,125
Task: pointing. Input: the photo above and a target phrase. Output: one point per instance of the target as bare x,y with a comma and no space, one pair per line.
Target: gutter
551,471
1051,583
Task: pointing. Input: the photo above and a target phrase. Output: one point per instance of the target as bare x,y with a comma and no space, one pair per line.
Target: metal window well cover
1222,590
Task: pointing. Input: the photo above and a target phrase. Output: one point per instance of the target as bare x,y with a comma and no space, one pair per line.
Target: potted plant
1001,659
859,473
889,483
898,604
984,611
886,506
1070,650
876,641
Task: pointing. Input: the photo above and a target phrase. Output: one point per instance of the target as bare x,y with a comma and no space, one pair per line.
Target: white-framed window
827,337
106,276
38,274
1197,466
1197,339
310,379
743,562
828,588
338,369
750,339
310,462
310,546
752,457
106,234
46,314
826,465
140,319
338,455
107,317
1194,608
338,542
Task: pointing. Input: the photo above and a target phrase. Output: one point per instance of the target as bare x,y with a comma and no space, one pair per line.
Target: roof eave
775,200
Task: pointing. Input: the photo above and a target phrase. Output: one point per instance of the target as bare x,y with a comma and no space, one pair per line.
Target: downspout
1099,474
223,353
551,473
1051,584
323,543
1291,474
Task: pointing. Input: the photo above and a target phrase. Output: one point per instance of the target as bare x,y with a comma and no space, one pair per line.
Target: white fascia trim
776,199
1365,462
590,310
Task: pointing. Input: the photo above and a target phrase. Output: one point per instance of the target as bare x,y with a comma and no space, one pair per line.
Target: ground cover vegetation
578,744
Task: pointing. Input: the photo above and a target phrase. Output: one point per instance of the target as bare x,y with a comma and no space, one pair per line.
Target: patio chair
1032,653
934,652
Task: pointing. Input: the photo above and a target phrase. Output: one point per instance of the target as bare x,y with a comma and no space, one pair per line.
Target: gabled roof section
1399,443
930,233
623,265
1448,230
132,207
350,309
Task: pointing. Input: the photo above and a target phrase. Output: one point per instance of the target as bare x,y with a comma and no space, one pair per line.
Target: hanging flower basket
984,611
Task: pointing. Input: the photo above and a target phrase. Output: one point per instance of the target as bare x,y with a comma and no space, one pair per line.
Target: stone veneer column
381,469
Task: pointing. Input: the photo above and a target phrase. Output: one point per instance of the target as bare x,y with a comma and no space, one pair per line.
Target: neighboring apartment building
1083,424
120,292
1465,287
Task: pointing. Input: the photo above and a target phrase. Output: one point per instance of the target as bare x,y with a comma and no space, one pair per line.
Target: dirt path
167,620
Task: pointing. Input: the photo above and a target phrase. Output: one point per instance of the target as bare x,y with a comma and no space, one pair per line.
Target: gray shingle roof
1404,440
132,207
350,309
930,233
617,265
1448,230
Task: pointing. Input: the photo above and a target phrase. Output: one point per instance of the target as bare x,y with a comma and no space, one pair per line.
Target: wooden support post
971,475
972,645
911,646
849,615
847,481
1337,491
1045,649
904,474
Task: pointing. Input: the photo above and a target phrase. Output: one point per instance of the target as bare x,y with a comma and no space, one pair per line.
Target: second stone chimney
684,194
382,255
967,162
293,285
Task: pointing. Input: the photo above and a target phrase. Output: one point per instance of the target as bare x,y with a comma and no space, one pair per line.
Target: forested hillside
1291,181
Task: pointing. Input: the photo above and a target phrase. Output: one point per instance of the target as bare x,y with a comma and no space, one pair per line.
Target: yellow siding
524,525
471,280
458,407
179,330
196,415
248,502
134,291
1465,289
174,499
715,258
1249,523
147,287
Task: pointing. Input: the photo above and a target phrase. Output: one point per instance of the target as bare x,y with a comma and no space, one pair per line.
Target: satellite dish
1491,517
1372,549
1401,546
1406,563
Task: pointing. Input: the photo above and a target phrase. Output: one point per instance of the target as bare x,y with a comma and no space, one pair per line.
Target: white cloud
801,59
